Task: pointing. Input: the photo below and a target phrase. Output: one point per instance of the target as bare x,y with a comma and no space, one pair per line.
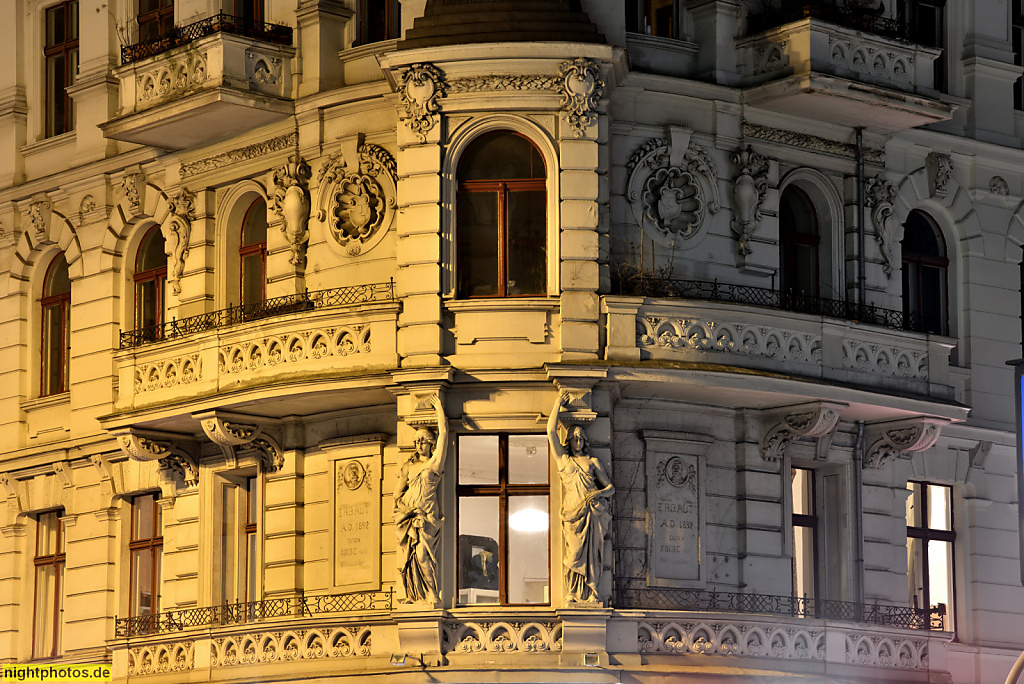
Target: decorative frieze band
293,348
731,639
810,142
260,149
513,636
177,656
308,644
728,337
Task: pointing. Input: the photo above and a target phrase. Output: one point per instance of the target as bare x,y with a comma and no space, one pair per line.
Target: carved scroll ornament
290,201
177,231
898,439
580,88
421,87
357,200
748,193
233,432
940,170
172,451
671,201
880,195
817,420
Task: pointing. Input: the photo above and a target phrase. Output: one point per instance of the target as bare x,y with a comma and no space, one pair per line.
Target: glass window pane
142,516
252,279
229,539
142,582
145,301
479,556
158,559
940,576
252,579
57,279
54,345
527,459
915,572
477,243
55,75
527,242
250,487
255,230
478,459
914,504
45,594
803,492
55,26
528,523
72,30
501,156
151,252
803,562
940,514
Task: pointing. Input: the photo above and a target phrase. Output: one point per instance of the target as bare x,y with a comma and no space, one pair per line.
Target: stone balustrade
846,352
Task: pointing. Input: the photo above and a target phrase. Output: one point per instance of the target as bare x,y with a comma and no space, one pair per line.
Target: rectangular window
146,547
240,568
379,20
930,540
61,52
249,11
652,17
927,21
156,19
49,586
504,519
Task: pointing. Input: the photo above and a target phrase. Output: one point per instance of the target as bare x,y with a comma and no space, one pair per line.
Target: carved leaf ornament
748,192
422,86
580,89
880,196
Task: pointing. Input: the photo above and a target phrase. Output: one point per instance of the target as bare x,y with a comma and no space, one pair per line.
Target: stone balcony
810,62
209,80
818,347
285,342
364,635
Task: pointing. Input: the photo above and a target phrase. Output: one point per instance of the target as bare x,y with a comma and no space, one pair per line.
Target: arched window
501,218
150,281
56,307
799,240
253,254
924,275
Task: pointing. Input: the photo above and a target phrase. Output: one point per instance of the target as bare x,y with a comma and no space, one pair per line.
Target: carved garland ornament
580,88
671,202
879,197
358,200
748,192
421,87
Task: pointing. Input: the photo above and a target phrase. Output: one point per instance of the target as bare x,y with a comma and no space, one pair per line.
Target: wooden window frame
152,543
156,275
392,21
927,534
244,250
502,491
58,560
916,260
258,11
157,16
789,240
65,49
64,301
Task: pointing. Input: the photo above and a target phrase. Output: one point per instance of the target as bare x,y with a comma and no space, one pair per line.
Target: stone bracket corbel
578,384
899,438
109,486
174,451
816,420
13,497
233,431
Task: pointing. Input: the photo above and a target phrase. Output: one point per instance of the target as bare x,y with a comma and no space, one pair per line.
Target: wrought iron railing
903,617
842,15
218,23
255,611
634,284
278,306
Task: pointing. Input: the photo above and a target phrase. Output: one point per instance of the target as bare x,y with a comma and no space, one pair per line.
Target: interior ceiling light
528,520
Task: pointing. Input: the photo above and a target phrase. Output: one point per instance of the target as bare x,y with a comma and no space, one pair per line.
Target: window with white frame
240,564
819,534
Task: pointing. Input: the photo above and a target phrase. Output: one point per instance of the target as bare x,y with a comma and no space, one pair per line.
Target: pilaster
283,522
321,36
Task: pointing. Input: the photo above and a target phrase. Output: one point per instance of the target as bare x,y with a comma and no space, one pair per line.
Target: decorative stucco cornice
240,154
810,142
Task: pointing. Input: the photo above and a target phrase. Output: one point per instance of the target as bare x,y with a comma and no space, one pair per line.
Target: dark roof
451,22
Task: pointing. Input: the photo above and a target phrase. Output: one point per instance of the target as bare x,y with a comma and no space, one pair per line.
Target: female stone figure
417,512
585,509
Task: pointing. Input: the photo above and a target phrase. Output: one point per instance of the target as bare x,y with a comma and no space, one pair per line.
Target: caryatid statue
417,512
586,513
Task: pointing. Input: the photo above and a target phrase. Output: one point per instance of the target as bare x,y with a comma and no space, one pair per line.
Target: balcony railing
903,617
254,611
859,20
279,306
630,283
226,23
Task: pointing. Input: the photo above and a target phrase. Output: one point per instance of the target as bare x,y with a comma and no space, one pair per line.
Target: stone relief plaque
675,508
356,479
